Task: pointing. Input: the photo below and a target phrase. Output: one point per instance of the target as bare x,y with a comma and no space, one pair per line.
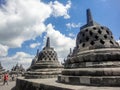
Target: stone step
92,72
90,80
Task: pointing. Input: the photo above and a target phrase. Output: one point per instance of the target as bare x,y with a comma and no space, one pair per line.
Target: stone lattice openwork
96,58
45,64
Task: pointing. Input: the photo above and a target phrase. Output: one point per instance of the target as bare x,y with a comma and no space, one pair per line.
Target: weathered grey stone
17,70
51,84
95,59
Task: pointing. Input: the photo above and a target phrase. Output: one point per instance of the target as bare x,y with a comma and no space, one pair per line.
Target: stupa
95,59
1,70
45,64
17,70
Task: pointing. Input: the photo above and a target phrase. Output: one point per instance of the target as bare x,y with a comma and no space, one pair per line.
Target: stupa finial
48,42
37,52
70,50
89,17
90,21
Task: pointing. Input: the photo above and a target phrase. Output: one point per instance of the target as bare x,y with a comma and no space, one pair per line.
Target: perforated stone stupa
45,64
17,70
96,58
2,71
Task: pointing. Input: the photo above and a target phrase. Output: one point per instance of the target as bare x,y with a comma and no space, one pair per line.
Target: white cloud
22,20
3,50
71,35
20,57
72,25
60,10
60,42
118,42
33,45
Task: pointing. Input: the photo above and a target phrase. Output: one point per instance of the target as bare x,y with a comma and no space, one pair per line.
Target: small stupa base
36,75
40,76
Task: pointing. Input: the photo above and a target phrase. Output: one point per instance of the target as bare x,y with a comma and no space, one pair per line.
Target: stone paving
7,87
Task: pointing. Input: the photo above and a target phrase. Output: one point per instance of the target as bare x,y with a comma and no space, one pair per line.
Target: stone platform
52,84
7,87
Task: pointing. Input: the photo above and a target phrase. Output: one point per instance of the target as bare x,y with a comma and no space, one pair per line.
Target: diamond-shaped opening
92,42
86,30
99,31
50,53
96,37
94,28
91,33
83,34
111,42
107,32
112,37
102,42
83,45
105,36
102,27
87,38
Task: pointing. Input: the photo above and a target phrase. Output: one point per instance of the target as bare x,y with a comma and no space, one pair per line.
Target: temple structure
95,59
1,70
17,70
45,64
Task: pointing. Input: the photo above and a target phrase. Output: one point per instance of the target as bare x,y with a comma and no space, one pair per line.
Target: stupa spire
90,21
37,52
70,50
89,17
48,42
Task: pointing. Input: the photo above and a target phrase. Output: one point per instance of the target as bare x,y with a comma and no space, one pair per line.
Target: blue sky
25,24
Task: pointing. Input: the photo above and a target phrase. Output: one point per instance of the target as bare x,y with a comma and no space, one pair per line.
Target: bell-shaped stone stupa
45,64
17,70
96,58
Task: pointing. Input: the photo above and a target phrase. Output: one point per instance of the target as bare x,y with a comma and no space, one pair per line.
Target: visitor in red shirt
5,79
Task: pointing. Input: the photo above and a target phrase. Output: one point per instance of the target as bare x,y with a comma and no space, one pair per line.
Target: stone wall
23,84
52,84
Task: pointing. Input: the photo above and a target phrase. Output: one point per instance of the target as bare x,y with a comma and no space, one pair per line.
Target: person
5,79
13,78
